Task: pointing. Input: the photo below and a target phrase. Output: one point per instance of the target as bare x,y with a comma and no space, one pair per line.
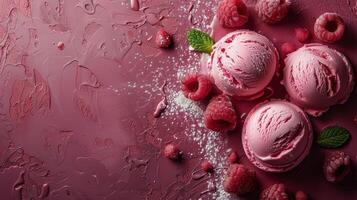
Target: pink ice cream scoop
243,63
277,136
317,77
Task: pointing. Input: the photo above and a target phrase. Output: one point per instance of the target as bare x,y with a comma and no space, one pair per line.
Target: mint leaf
333,137
200,41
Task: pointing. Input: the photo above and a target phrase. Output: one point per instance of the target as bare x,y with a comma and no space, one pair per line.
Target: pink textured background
78,124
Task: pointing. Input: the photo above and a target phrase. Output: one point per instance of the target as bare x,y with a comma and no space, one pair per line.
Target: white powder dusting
180,110
187,113
210,143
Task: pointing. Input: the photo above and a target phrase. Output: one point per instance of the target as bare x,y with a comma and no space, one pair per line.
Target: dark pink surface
78,123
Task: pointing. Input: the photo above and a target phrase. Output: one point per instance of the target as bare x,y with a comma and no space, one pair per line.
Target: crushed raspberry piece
163,39
172,152
337,166
287,48
233,157
240,180
220,115
274,192
232,13
300,195
302,34
206,166
272,11
60,45
196,87
329,27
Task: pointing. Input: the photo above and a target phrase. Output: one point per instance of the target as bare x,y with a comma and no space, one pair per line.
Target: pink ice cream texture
243,63
277,136
317,77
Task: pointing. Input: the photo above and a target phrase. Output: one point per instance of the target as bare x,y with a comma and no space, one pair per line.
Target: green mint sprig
200,41
333,137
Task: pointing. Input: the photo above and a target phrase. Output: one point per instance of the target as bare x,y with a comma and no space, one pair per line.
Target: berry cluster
220,114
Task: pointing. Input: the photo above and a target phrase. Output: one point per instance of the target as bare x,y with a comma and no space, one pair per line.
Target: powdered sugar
185,113
189,114
211,143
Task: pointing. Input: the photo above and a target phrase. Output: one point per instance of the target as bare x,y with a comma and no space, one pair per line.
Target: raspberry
300,195
60,45
206,166
287,48
274,192
232,13
240,180
337,166
272,11
302,34
196,87
172,152
220,115
163,39
329,27
233,157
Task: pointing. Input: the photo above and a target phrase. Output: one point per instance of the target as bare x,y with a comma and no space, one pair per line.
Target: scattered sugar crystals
211,144
182,111
189,114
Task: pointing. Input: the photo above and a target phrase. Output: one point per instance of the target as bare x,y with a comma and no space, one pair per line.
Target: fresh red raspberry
274,192
302,34
240,180
272,11
172,152
206,166
163,39
60,45
329,27
233,157
232,13
355,119
300,195
220,115
287,48
337,166
196,87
